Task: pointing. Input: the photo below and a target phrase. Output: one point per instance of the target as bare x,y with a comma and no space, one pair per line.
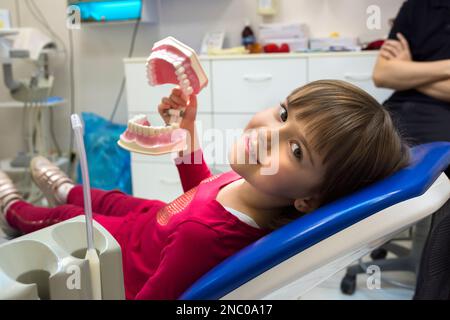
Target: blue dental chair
297,257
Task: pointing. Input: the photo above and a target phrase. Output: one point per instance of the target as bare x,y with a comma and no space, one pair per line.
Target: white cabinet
354,69
155,180
238,88
247,85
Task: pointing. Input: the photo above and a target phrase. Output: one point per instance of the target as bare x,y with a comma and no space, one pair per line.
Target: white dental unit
29,47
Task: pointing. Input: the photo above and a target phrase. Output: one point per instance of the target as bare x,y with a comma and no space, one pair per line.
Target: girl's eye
296,150
283,113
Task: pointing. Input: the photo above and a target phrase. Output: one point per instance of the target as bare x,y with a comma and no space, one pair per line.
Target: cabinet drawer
141,97
247,86
356,70
155,181
204,124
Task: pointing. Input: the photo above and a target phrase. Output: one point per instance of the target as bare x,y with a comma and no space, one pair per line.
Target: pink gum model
174,62
141,137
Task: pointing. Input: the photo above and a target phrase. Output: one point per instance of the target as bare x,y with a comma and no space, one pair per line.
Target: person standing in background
415,62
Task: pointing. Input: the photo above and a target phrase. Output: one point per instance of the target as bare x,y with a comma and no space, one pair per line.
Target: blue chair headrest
428,162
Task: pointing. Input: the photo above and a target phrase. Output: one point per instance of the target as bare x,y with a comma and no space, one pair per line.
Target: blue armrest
428,162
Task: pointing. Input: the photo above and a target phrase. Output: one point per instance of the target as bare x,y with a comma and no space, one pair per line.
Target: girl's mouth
251,148
247,144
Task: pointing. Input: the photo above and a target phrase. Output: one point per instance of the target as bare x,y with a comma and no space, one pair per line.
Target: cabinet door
141,97
354,69
247,86
155,181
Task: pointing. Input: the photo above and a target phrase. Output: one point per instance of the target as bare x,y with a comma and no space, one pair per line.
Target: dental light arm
8,78
29,44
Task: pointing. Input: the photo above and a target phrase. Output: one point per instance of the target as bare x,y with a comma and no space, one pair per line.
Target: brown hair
353,133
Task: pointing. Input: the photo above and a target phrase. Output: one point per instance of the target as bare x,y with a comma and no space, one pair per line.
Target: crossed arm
396,70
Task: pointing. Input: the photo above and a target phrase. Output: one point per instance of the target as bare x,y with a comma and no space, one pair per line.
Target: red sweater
166,248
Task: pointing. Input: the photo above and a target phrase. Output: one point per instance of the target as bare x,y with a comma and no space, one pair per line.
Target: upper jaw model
170,62
174,62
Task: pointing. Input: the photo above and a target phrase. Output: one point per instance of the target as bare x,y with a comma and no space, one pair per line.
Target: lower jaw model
170,62
141,137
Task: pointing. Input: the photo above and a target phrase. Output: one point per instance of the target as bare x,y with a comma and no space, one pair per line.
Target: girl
332,138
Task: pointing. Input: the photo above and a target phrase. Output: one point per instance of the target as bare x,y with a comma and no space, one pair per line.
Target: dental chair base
406,260
50,264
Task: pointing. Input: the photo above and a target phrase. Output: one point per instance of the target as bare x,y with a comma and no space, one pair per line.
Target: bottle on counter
249,39
248,36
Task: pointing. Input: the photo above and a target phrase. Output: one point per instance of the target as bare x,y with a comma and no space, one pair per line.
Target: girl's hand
177,100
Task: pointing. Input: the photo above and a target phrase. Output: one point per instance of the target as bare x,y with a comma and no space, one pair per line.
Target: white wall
99,49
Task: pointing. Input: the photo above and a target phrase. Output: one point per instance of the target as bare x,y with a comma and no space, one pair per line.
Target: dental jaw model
143,138
171,62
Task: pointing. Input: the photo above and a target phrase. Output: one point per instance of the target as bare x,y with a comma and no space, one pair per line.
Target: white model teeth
148,131
180,65
180,71
189,91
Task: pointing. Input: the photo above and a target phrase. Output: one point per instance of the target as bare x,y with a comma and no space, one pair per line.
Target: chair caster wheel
378,254
348,284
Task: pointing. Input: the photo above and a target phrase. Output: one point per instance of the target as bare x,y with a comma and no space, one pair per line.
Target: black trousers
421,122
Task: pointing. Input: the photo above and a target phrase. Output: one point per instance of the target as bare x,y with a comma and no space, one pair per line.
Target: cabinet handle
257,77
357,76
169,181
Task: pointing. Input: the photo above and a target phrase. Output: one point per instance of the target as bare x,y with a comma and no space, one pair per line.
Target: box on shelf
283,31
334,43
293,34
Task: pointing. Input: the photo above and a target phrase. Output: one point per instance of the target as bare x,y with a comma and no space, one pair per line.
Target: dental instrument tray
50,264
171,62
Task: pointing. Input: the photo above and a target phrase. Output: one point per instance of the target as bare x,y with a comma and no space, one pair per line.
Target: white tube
91,253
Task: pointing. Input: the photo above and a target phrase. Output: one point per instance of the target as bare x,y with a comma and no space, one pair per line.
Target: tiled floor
330,289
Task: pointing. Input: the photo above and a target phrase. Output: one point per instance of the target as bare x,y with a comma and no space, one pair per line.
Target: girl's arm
192,169
191,166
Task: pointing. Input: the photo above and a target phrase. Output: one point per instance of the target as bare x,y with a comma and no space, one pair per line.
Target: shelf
16,104
292,55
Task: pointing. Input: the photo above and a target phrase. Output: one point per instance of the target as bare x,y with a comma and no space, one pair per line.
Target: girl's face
274,156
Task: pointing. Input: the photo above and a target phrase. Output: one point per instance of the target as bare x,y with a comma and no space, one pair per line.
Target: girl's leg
27,218
109,203
60,190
